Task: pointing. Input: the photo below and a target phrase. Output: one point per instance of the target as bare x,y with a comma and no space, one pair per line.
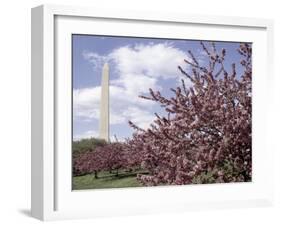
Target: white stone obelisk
104,104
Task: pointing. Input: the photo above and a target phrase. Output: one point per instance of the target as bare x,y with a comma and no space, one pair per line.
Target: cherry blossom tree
110,157
206,135
91,161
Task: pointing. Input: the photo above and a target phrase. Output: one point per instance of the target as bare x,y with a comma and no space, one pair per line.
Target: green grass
106,180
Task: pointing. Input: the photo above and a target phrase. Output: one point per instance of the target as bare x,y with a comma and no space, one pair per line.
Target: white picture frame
52,197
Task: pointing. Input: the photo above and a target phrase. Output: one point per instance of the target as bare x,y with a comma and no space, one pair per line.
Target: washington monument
104,104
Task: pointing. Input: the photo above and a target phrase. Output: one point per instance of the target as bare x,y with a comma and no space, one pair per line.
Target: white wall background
15,112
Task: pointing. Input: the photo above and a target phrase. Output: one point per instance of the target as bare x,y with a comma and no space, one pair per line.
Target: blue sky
136,64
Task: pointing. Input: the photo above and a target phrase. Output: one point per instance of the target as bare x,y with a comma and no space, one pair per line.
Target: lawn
106,180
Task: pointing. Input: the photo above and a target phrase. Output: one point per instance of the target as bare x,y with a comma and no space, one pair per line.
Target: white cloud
140,117
95,59
86,102
123,107
154,60
85,135
139,68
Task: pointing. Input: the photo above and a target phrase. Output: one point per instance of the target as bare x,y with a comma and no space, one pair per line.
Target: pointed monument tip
106,65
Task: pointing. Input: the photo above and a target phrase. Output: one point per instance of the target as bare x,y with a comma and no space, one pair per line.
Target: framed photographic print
141,113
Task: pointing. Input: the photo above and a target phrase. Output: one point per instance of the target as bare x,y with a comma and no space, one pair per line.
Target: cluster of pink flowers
110,157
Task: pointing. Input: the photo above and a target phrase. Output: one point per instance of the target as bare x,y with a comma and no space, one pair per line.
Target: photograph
152,111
